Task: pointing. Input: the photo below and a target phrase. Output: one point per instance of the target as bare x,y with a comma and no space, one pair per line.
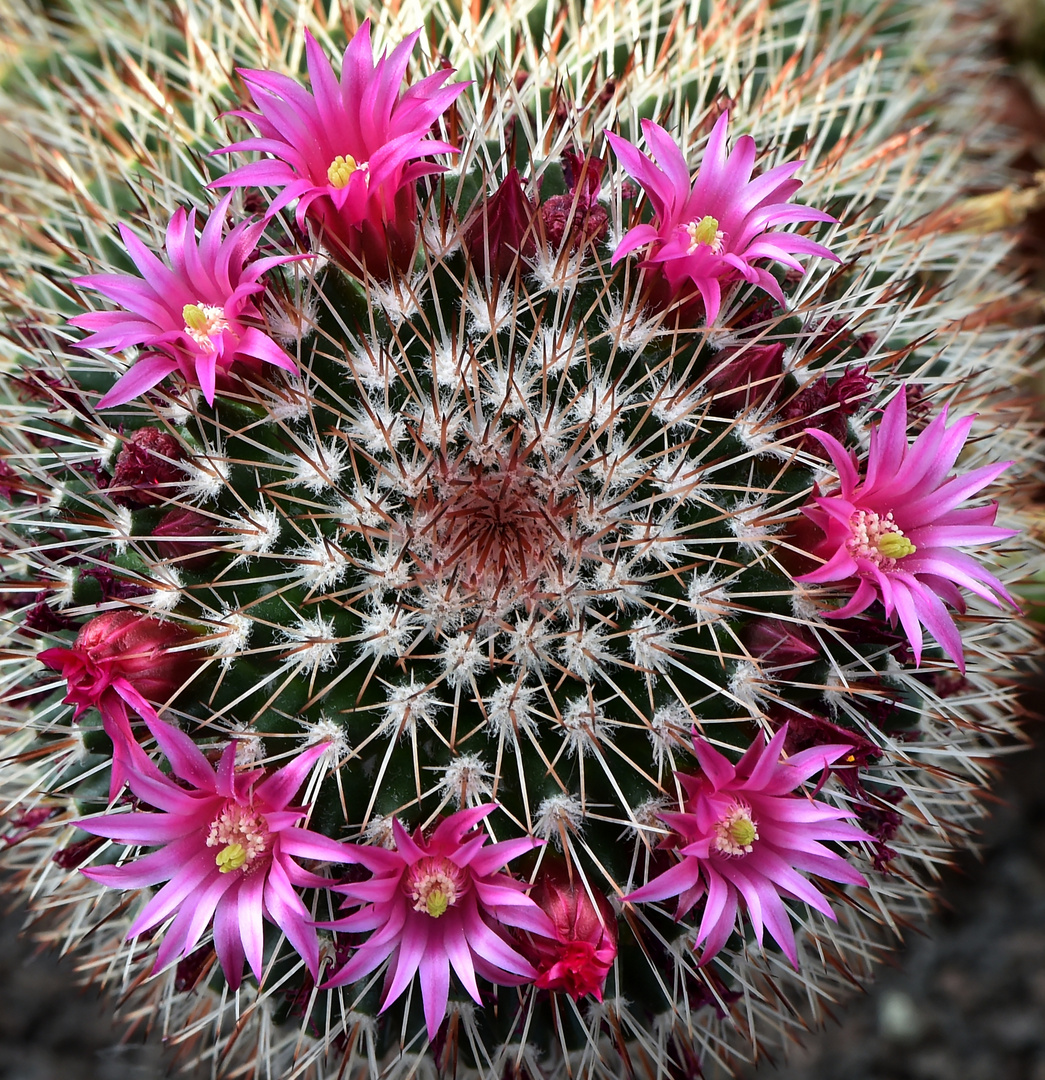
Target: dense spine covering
482,534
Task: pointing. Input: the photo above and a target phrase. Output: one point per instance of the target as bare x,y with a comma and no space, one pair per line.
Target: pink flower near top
227,848
745,839
194,313
350,151
713,231
123,659
894,532
438,903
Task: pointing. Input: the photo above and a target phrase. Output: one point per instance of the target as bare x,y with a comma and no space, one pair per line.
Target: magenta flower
894,532
351,151
712,231
120,659
745,840
438,903
194,313
227,848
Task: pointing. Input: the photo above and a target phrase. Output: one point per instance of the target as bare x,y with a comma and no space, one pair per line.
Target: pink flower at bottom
438,903
746,840
227,844
894,532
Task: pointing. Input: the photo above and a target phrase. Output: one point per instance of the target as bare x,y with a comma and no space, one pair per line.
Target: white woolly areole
748,687
206,478
319,466
667,731
325,730
509,711
650,641
120,528
467,779
320,564
586,653
408,705
463,657
315,644
166,596
230,636
386,630
708,600
557,814
746,525
258,531
584,724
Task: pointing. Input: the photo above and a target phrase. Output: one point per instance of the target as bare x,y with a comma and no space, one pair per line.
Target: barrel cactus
512,513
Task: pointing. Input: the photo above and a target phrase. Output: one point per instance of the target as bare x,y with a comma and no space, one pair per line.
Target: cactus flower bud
146,468
186,536
501,231
122,658
579,957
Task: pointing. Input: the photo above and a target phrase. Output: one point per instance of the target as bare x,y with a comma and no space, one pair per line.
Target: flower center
202,322
707,232
736,832
241,836
878,539
435,884
342,168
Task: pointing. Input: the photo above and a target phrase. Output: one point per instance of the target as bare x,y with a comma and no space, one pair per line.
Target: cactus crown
483,474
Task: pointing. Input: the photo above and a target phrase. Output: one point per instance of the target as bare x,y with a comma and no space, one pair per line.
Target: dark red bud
147,472
177,538
746,378
501,230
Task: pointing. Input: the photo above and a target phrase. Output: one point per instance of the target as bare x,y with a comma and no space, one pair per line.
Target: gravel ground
965,1002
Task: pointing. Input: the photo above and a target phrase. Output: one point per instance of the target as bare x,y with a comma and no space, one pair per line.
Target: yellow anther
705,231
231,858
436,903
742,832
894,545
194,317
341,170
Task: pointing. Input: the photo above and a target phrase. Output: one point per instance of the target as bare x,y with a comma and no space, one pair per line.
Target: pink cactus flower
744,839
351,151
894,532
194,314
714,230
577,959
120,659
227,844
438,903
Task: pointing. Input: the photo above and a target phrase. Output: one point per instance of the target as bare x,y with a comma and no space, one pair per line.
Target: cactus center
435,884
342,169
241,837
706,232
494,534
202,322
878,538
735,832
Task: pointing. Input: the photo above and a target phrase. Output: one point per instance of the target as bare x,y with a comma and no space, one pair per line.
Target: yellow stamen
436,903
705,231
341,170
894,545
742,831
231,858
194,317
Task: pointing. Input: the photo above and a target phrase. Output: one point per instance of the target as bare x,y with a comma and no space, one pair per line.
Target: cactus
498,513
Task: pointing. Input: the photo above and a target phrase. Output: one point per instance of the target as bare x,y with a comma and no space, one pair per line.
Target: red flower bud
746,379
501,230
146,470
122,658
579,957
176,534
